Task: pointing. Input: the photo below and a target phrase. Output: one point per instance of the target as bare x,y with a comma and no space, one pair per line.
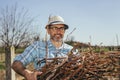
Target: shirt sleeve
28,55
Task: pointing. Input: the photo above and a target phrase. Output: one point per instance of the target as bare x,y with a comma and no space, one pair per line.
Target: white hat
56,20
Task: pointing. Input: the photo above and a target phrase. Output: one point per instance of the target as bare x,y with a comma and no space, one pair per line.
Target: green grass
2,50
20,50
2,65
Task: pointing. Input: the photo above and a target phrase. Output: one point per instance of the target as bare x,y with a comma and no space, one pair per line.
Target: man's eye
56,28
62,28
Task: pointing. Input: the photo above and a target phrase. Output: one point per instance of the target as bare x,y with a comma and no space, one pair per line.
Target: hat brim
58,22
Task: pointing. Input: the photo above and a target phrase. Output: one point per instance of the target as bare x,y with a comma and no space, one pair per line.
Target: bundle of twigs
83,66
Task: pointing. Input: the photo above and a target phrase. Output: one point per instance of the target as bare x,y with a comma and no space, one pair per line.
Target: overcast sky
95,20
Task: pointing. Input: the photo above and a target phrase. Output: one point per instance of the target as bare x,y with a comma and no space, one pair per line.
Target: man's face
56,32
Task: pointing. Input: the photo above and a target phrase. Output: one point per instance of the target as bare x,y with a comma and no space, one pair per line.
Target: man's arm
18,67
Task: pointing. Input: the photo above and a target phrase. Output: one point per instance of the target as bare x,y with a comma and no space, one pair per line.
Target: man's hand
29,75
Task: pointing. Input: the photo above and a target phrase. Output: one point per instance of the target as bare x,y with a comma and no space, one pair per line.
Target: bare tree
14,29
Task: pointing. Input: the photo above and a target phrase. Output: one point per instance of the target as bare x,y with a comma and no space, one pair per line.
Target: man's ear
47,29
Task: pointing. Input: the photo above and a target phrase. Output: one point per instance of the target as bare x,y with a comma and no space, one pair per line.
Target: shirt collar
51,45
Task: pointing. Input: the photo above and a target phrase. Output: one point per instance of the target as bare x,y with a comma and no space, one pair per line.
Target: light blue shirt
37,52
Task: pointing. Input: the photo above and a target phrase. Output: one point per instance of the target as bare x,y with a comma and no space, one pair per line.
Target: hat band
55,22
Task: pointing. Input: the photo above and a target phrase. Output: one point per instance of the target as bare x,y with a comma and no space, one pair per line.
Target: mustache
58,34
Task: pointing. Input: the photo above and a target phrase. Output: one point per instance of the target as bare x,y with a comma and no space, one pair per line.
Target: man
54,47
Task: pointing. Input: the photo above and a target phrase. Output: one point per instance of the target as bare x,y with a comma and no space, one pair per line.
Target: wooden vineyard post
12,57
